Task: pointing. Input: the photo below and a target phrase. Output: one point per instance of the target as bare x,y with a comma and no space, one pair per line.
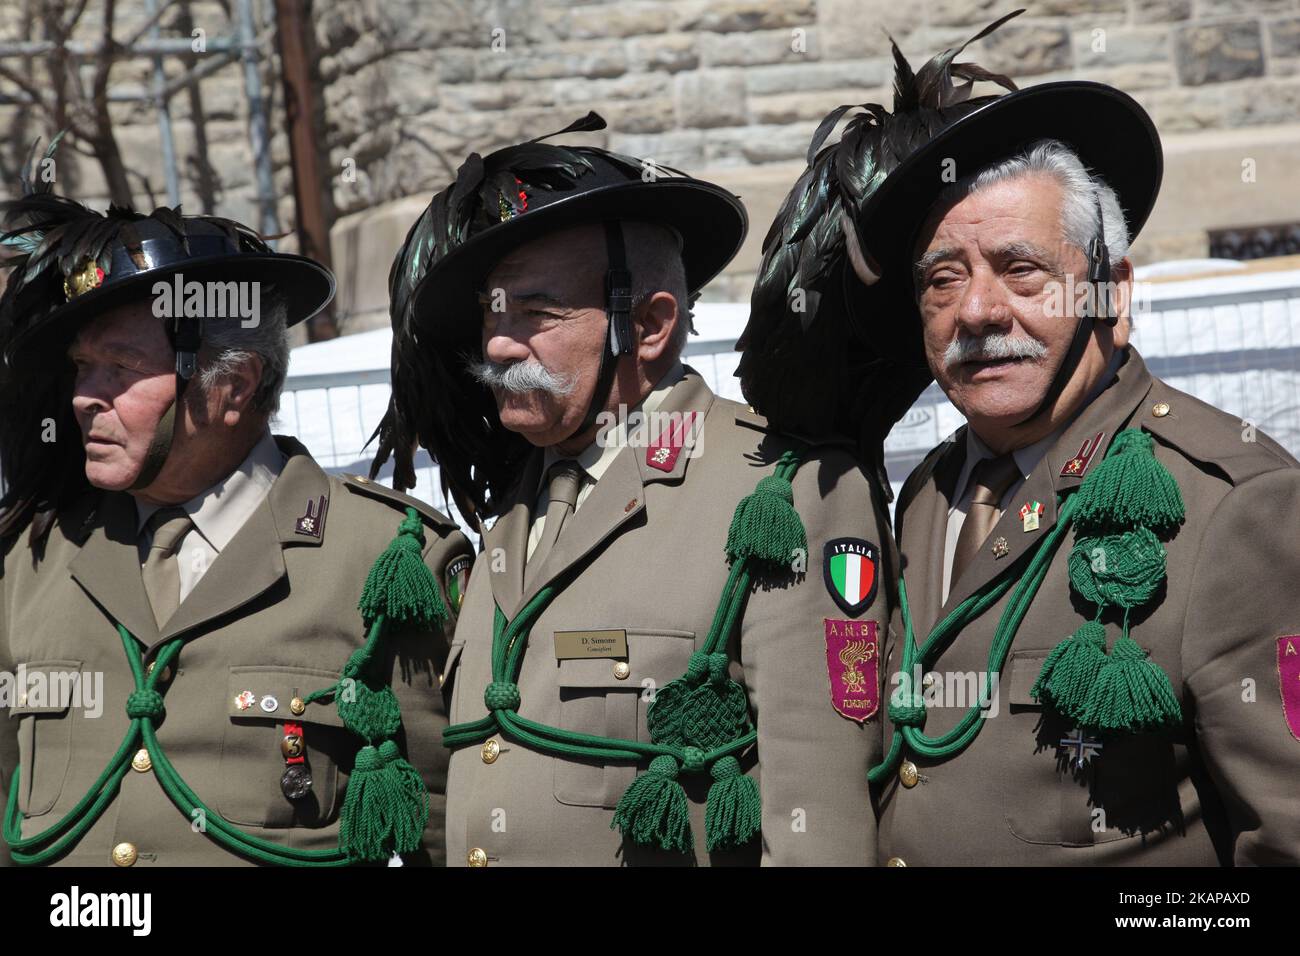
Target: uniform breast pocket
254,750
43,709
608,697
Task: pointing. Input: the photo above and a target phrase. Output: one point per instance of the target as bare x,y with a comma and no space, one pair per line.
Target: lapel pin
1076,466
270,704
1083,747
1000,549
245,700
312,521
1030,512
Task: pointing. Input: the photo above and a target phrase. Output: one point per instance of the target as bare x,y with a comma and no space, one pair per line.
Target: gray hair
227,345
1081,191
654,255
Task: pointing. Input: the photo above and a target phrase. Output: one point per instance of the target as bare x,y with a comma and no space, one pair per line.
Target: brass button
291,745
896,861
477,857
621,670
164,677
141,762
298,706
361,479
908,774
125,854
1160,409
491,750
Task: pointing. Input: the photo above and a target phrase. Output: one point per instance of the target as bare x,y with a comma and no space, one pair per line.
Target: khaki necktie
989,480
161,573
566,479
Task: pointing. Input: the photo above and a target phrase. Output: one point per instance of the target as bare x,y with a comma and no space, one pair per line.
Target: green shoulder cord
698,722
1116,560
386,805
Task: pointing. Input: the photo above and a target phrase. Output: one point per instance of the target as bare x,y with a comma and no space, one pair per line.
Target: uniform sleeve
1245,603
813,761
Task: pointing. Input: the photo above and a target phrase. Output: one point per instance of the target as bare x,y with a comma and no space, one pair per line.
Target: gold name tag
579,644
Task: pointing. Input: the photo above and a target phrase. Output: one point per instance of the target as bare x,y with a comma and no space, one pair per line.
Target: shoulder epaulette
362,485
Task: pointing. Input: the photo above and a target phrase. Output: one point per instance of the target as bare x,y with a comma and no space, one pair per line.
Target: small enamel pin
245,700
270,704
1000,548
1076,466
1030,512
312,521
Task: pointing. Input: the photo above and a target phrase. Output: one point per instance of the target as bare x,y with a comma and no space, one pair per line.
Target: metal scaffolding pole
258,133
163,107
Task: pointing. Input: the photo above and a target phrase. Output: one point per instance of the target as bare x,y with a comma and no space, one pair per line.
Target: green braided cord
1123,570
654,809
400,585
1026,588
145,705
1130,488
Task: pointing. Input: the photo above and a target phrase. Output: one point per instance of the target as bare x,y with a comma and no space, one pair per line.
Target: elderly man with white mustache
1096,656
668,650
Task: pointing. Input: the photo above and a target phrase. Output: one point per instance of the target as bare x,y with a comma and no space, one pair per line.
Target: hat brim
1106,127
306,285
711,221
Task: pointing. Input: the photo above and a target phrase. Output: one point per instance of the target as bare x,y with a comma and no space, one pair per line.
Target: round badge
270,704
296,782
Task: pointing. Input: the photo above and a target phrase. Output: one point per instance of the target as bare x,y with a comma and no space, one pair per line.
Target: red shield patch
1288,672
853,664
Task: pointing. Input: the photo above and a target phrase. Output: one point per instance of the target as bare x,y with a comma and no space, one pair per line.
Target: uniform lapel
253,561
926,528
619,496
108,567
1086,438
505,544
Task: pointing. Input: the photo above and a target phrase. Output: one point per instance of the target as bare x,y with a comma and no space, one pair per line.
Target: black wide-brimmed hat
522,192
74,263
498,202
1109,131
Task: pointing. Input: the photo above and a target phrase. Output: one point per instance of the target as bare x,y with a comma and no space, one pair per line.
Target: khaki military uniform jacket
1219,790
275,615
645,555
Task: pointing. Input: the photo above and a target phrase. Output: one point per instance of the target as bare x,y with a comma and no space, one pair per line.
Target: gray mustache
992,347
520,377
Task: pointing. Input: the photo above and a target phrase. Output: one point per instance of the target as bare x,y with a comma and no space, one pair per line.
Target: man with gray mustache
1093,542
644,663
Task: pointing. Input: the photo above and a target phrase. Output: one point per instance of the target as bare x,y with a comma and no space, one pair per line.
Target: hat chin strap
618,333
1099,308
187,334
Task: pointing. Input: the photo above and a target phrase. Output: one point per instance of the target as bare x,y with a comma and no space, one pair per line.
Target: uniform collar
220,511
1028,457
596,458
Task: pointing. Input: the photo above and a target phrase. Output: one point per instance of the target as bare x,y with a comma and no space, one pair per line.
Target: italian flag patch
851,567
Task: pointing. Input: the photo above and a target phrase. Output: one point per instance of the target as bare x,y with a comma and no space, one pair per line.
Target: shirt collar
596,458
221,510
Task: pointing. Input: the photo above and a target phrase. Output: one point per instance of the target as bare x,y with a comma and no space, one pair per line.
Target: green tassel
1123,570
386,807
1130,488
766,527
733,815
653,811
400,585
1131,693
1071,669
